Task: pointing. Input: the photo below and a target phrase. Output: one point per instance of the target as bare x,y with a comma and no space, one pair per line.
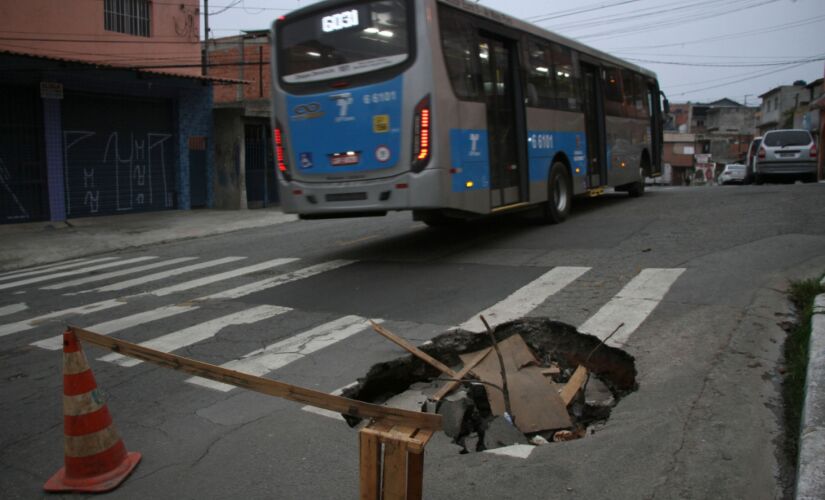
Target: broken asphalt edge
810,478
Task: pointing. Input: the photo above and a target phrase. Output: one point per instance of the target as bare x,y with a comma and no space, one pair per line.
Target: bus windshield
346,41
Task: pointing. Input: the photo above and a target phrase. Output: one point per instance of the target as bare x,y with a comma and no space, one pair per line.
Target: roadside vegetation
802,294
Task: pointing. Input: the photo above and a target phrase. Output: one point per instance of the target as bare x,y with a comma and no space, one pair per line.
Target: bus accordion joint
280,152
421,135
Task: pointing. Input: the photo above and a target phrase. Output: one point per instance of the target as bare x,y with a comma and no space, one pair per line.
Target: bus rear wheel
637,189
559,195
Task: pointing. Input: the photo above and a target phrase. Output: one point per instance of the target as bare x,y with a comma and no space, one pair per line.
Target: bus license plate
344,160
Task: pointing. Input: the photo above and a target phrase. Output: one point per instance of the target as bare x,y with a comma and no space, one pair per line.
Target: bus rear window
349,40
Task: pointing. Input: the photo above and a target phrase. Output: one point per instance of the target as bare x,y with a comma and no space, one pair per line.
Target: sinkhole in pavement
474,420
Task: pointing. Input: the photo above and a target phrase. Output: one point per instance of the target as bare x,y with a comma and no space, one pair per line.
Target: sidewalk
25,245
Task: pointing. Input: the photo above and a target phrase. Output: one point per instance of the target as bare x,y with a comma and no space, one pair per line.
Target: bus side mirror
666,105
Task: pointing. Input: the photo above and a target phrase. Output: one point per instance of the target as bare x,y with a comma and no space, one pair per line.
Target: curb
810,479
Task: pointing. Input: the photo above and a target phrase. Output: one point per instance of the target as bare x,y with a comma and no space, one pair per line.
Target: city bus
453,111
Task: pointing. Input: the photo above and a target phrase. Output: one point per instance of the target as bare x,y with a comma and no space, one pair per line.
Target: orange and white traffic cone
96,459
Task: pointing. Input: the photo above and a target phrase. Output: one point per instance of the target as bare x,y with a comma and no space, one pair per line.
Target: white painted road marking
165,274
526,298
116,274
198,333
222,276
30,323
115,325
631,306
328,413
244,290
63,274
31,271
13,308
286,351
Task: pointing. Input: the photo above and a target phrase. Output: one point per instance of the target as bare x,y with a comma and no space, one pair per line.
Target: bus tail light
280,152
422,140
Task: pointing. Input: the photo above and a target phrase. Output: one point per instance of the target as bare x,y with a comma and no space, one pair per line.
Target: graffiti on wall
114,171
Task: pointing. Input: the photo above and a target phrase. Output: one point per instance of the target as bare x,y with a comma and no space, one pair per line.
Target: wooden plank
553,370
415,476
571,388
271,387
452,384
535,401
369,466
394,486
423,356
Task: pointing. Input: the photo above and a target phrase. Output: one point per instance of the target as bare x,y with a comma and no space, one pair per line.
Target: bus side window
459,47
539,92
613,101
629,91
641,97
566,76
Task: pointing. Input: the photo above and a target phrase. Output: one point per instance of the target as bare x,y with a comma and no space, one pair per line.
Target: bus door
594,126
656,121
508,167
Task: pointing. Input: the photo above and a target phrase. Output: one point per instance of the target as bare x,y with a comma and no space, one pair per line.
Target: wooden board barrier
318,399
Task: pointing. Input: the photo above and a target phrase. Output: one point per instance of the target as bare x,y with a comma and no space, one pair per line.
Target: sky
702,50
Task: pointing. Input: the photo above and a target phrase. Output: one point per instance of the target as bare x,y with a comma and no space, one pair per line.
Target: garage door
23,194
120,155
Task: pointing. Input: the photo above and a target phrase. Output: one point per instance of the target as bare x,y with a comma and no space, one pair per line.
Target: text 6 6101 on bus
453,111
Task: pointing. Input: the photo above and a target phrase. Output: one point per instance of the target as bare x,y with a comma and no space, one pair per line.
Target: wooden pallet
392,461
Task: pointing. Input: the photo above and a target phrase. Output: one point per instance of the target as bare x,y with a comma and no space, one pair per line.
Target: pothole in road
471,416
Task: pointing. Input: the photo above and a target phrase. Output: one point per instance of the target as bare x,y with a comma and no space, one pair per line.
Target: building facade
245,161
778,106
102,109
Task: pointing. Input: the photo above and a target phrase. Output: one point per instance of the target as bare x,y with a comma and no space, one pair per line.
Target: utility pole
746,95
205,58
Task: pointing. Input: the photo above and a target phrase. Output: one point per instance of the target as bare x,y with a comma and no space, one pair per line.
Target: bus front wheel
559,195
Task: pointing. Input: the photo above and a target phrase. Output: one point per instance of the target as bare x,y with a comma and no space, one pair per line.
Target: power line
729,64
749,77
758,31
636,15
576,11
633,30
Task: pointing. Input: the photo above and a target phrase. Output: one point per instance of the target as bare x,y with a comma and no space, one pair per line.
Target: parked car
753,150
734,173
786,154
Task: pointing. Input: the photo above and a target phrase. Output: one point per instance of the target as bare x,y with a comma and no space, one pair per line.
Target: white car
733,173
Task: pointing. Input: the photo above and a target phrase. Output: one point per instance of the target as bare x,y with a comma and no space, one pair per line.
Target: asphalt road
698,274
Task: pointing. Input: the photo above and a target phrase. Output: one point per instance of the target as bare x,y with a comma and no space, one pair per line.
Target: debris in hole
563,384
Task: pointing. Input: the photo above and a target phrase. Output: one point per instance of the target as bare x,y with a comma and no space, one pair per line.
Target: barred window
127,16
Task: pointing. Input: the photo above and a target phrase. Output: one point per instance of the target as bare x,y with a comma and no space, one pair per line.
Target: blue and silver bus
453,111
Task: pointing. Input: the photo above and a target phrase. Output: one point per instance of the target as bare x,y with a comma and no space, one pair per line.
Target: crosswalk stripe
31,271
13,308
244,290
55,343
30,323
63,274
222,276
286,351
116,274
526,298
165,274
328,413
198,333
631,306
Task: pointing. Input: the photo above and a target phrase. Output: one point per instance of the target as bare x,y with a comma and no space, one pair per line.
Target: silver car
733,173
786,154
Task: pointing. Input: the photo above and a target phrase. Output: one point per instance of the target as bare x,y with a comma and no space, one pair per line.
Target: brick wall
242,58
